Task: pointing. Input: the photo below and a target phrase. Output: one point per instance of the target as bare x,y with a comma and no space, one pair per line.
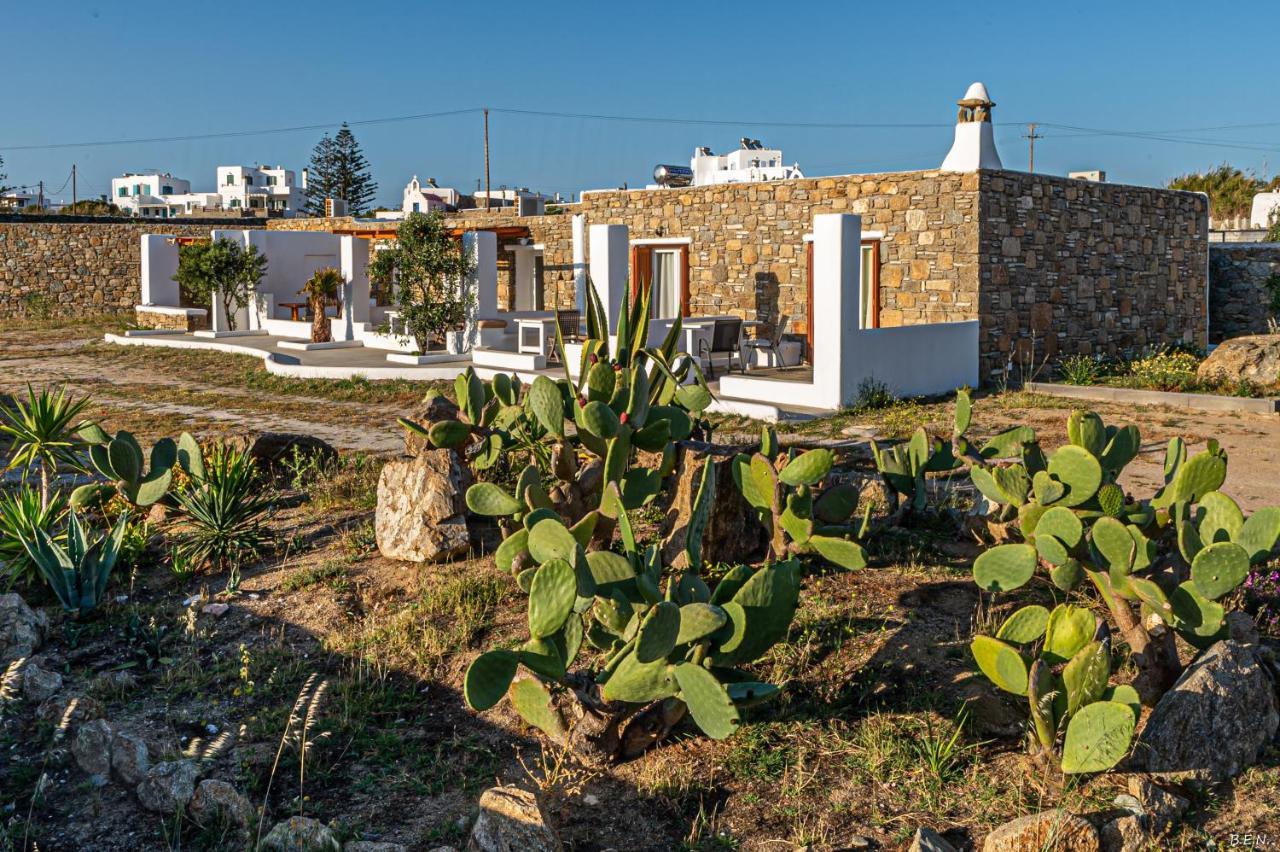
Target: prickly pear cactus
120,460
1054,660
781,487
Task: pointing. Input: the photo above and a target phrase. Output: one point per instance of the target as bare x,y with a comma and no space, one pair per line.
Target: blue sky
78,72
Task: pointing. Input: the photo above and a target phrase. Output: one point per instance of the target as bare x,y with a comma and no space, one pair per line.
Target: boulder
378,846
1215,721
69,712
1161,808
421,515
168,786
1255,358
300,834
1125,834
511,821
274,451
432,409
1056,829
92,748
22,629
733,532
928,840
129,759
218,801
38,684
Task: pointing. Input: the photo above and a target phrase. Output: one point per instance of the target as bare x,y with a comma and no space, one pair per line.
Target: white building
274,190
16,199
1266,209
530,203
751,162
158,195
424,198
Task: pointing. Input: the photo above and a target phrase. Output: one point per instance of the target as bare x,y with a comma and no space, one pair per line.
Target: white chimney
975,144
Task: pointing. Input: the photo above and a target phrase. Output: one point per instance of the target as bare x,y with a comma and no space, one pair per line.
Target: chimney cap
976,95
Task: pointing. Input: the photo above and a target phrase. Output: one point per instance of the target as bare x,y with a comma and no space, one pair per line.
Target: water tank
664,175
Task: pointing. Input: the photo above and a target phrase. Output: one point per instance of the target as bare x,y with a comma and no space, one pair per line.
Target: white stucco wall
159,265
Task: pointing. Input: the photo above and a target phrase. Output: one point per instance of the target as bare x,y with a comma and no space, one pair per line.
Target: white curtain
665,299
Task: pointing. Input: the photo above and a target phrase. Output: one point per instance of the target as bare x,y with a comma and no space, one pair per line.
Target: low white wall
159,265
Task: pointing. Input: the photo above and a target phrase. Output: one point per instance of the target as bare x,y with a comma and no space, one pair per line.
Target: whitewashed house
158,195
275,190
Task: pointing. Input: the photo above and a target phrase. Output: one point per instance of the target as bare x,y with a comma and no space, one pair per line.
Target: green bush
223,506
21,514
1170,370
1080,370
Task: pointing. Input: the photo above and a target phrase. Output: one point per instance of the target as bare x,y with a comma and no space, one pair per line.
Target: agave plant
77,573
223,506
44,432
22,512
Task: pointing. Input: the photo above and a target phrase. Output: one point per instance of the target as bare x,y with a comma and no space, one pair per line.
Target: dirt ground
875,672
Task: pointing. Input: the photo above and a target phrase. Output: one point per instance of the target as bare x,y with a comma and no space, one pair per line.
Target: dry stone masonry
1245,289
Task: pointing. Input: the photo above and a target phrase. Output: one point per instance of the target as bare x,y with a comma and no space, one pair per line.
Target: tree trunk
321,332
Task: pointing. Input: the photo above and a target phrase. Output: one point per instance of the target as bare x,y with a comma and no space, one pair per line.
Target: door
528,273
662,270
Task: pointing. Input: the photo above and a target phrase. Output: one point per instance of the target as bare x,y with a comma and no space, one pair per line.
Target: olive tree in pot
425,269
321,291
223,268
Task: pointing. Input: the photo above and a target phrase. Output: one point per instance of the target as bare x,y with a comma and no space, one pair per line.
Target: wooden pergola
388,231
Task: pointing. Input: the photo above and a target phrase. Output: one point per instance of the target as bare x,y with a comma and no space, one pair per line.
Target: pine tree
339,170
3,188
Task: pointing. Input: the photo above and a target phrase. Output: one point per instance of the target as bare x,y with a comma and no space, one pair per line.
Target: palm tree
321,291
43,431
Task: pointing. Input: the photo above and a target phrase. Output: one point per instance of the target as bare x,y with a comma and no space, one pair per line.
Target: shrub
223,506
873,395
222,267
1170,370
43,430
1080,370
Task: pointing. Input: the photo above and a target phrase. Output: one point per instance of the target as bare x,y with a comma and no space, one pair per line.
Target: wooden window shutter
641,269
685,284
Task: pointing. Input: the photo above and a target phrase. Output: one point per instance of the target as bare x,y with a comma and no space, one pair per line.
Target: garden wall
1244,289
59,266
1088,268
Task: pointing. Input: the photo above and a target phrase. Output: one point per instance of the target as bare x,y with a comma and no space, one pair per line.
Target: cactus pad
698,620
533,702
836,504
1220,519
1195,616
549,539
1085,676
1219,568
808,468
1111,499
639,683
1068,630
488,677
1097,737
599,419
839,551
546,405
1004,567
485,498
658,631
1025,625
1002,665
709,704
551,597
1259,534
1079,470
1047,489
1062,524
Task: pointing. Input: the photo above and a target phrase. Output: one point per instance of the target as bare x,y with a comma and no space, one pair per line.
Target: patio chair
570,322
726,339
770,346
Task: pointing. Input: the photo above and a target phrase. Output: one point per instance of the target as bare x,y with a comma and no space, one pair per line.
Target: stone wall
1244,289
1071,266
55,266
1078,266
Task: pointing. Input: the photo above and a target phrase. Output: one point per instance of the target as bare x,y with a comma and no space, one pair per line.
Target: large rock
1216,719
92,748
433,409
218,802
421,514
928,840
300,834
69,712
1255,358
129,759
274,452
168,786
733,532
22,629
39,684
1055,829
511,821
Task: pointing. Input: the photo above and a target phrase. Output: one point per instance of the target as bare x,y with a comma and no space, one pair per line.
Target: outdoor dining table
294,308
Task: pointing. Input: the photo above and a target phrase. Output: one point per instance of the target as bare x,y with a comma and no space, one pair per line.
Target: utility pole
41,196
73,186
1031,136
488,197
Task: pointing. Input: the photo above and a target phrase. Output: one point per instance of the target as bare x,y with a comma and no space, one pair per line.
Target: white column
580,262
609,261
481,249
159,265
354,263
836,308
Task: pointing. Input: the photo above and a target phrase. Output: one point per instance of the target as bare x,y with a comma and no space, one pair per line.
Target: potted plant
321,291
222,267
424,270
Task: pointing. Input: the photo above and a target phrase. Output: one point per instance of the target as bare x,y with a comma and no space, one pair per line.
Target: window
231,179
235,202
248,179
870,269
123,192
166,190
416,207
271,180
